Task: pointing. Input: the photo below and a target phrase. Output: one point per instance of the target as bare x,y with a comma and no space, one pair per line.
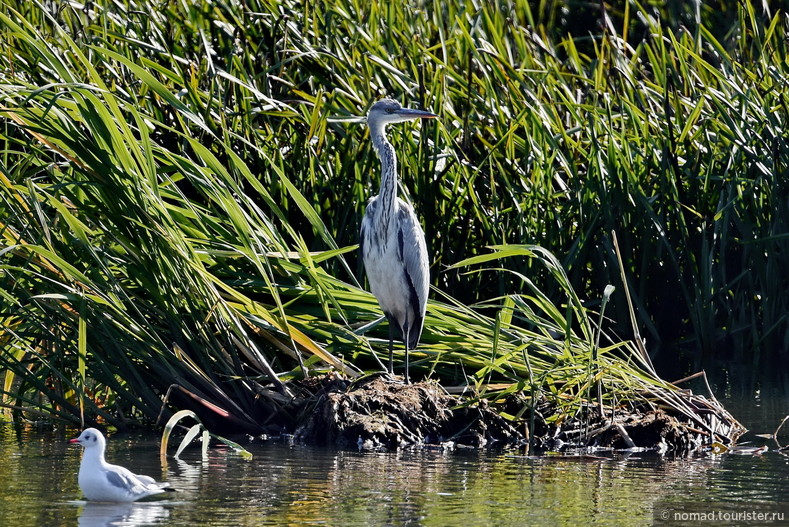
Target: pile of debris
379,413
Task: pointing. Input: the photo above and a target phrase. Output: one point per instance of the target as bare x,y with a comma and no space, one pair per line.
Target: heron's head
388,111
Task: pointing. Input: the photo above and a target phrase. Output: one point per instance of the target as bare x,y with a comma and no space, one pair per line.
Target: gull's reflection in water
96,514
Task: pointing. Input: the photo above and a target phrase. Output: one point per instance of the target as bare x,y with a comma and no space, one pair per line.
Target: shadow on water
296,485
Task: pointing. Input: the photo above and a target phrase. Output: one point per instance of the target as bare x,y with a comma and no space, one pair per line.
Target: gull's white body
101,481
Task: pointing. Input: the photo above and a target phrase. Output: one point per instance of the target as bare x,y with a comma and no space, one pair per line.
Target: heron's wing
413,254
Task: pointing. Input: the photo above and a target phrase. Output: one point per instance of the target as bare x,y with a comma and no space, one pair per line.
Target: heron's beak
416,114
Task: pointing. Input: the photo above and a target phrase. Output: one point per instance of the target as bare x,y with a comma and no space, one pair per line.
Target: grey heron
392,240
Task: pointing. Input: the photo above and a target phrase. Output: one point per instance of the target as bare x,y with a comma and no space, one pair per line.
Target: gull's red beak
74,440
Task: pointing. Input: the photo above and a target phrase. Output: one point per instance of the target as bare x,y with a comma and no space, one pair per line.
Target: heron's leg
405,343
391,339
407,380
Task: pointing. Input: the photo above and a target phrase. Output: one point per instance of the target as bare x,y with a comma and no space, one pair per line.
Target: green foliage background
181,191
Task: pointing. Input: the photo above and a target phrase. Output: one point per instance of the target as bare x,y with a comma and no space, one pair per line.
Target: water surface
296,485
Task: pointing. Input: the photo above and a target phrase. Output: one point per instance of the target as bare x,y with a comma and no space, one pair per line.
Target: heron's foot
391,377
382,374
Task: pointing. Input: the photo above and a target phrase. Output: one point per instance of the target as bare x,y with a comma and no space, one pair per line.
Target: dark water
296,485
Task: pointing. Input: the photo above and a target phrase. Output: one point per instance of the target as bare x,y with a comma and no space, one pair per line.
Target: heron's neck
387,196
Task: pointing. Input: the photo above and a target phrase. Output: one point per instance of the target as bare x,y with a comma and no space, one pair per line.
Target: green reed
181,196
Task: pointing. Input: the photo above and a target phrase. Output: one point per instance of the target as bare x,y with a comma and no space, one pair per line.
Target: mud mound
653,430
376,412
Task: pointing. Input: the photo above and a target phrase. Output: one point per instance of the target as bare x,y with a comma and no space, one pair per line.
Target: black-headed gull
100,481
